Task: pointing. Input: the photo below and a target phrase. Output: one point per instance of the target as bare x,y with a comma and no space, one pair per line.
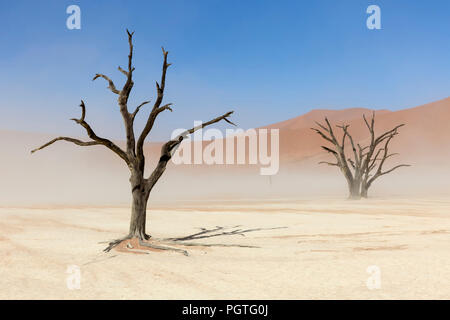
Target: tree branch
357,163
329,150
169,148
330,130
208,123
123,71
133,115
385,156
96,139
396,167
111,86
155,111
75,141
329,163
125,93
387,134
323,135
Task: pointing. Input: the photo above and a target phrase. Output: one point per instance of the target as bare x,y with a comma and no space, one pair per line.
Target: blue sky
267,60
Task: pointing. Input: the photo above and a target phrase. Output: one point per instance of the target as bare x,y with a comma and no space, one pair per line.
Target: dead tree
365,163
133,155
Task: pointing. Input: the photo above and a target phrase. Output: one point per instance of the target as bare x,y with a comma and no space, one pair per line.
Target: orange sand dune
306,120
426,136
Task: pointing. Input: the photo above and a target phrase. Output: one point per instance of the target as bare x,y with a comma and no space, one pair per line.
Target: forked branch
111,85
75,141
169,148
96,140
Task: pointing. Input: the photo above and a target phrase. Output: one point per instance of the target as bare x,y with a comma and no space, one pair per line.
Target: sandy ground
321,249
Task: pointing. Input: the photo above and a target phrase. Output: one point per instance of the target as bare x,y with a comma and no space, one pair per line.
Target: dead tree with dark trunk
365,163
133,155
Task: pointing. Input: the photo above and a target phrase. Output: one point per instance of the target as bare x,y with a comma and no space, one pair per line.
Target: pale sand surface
323,252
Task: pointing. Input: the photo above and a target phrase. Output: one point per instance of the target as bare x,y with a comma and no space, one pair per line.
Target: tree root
115,243
184,241
158,247
142,243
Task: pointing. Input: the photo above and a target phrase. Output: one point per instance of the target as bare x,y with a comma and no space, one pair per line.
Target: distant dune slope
425,137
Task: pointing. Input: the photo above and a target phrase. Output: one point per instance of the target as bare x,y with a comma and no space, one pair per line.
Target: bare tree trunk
138,217
354,190
364,189
364,192
138,207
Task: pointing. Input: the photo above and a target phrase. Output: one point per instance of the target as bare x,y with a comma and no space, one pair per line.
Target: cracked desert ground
60,207
303,249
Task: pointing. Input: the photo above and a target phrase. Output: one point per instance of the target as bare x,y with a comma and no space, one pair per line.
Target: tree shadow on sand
138,246
218,231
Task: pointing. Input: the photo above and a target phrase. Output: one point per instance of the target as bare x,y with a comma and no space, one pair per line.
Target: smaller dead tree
365,163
